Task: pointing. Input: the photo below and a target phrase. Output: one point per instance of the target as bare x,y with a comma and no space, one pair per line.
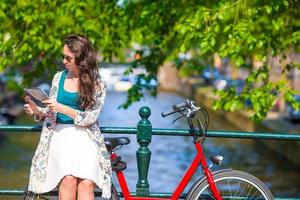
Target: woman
71,153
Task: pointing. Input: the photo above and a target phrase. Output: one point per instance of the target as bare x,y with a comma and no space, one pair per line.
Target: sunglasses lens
68,58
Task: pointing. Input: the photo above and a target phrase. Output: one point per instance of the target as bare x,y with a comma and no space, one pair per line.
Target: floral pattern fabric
87,118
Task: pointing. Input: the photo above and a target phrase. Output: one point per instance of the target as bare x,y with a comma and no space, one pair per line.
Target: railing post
143,154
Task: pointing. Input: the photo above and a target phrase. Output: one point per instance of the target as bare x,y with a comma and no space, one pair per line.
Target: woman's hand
54,106
30,107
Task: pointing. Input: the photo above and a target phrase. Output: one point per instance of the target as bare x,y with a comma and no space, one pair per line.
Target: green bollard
143,154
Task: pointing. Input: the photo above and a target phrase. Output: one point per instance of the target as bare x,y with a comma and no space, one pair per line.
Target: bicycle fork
213,188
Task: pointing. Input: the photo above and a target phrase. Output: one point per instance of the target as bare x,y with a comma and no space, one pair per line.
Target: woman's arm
81,118
54,106
31,108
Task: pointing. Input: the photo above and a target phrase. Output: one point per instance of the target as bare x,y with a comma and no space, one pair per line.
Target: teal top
67,98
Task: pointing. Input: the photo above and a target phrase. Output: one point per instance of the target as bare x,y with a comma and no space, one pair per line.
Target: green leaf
240,61
227,28
269,9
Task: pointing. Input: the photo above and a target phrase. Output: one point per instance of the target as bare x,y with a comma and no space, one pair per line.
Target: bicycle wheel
232,185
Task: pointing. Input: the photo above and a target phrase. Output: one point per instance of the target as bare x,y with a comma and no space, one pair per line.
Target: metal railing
144,132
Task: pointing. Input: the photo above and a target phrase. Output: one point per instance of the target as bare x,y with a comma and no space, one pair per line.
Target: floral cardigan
87,118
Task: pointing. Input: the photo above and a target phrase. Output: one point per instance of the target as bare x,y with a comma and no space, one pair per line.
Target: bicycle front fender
200,180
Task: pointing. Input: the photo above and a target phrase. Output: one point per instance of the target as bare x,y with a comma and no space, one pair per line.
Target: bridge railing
144,132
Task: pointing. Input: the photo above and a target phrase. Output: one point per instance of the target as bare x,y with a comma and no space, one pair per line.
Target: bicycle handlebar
189,110
180,105
175,108
188,104
168,113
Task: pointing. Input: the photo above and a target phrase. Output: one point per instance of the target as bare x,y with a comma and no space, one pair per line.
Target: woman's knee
86,184
69,181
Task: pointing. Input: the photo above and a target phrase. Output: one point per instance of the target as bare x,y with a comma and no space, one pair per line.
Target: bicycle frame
189,110
198,160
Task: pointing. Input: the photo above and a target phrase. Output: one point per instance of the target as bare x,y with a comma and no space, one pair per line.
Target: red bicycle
222,184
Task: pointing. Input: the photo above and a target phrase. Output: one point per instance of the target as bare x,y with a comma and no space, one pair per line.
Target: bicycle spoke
254,194
242,191
206,195
249,192
201,196
259,197
238,189
210,194
229,187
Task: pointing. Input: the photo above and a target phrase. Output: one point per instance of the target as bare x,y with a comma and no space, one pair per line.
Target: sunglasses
68,58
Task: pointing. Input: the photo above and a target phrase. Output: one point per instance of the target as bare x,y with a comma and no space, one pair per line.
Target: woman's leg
86,189
67,188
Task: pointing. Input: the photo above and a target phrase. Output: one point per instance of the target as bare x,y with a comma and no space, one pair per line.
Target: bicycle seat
112,143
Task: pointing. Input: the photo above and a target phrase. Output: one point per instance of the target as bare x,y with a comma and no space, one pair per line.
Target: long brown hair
85,59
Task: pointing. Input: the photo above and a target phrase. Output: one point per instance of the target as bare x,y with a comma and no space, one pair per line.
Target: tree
32,32
232,28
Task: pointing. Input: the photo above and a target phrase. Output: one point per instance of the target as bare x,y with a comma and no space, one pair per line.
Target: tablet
37,93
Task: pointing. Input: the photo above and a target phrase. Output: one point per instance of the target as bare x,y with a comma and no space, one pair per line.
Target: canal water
171,155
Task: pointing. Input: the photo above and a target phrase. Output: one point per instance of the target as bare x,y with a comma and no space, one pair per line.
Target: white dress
60,158
71,152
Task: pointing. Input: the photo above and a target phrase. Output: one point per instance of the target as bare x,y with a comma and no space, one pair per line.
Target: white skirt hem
56,186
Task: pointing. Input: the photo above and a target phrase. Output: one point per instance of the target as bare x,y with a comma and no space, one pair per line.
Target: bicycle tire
231,185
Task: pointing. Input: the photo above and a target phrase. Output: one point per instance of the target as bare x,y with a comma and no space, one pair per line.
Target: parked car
147,83
224,83
238,84
221,83
123,84
209,74
292,114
